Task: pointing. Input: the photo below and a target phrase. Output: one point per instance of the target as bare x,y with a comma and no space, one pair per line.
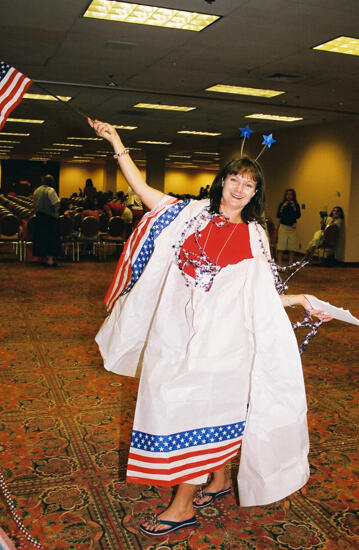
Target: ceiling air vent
118,45
284,77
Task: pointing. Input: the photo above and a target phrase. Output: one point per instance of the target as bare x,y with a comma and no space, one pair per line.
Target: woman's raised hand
104,130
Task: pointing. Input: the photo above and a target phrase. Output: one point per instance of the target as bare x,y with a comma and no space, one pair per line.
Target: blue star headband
267,140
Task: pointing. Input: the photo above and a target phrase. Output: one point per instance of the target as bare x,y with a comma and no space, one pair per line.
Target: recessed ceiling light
155,142
161,107
198,133
12,134
67,144
44,97
342,44
241,90
263,116
6,146
149,15
8,141
122,127
86,138
26,120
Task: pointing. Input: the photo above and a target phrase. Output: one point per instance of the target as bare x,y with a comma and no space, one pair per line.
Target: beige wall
73,176
187,181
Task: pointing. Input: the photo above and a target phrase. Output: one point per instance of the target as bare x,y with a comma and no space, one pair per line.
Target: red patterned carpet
65,426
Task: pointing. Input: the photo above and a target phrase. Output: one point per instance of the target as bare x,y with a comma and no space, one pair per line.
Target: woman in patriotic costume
194,307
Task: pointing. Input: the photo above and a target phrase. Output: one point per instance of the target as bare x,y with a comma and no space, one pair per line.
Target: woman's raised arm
149,196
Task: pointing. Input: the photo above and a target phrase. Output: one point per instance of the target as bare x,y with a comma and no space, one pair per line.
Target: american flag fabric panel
13,86
139,248
181,456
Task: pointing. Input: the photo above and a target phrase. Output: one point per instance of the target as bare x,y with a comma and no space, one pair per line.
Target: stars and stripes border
139,248
171,459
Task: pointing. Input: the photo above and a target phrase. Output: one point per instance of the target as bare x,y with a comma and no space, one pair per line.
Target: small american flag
13,86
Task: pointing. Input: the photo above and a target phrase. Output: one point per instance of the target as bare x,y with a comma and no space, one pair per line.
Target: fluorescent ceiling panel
50,149
205,153
241,90
155,142
279,118
12,134
160,107
149,15
86,138
44,97
25,120
67,144
343,44
198,133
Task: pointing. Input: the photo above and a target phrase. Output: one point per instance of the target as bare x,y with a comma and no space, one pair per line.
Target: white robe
206,354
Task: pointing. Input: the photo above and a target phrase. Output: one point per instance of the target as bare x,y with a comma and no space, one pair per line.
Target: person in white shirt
46,239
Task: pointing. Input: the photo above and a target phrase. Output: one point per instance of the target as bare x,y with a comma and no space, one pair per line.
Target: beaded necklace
205,268
15,515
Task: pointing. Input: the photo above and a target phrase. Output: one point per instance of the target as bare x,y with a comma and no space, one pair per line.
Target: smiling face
238,190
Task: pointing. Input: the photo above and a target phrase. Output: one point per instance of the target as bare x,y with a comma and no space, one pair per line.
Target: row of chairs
88,239
10,234
91,238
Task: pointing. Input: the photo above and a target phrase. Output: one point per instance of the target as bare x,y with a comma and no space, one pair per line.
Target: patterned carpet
65,425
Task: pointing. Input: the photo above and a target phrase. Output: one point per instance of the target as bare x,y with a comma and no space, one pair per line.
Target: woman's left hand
301,300
322,315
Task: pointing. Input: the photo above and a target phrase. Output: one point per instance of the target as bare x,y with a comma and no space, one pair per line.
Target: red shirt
225,245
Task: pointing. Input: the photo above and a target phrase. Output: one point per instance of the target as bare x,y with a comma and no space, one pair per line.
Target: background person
46,240
89,191
288,214
335,218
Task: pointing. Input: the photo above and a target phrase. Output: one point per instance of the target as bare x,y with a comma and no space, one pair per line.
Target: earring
222,182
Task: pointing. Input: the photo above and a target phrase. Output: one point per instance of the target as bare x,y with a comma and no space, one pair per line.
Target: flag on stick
13,86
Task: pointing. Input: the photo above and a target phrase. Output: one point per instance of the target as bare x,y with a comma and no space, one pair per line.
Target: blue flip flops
172,526
213,496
